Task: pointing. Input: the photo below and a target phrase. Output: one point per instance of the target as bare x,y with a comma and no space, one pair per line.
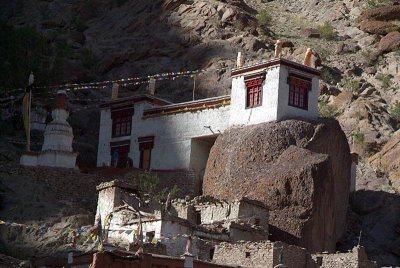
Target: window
122,120
298,92
145,146
254,90
122,126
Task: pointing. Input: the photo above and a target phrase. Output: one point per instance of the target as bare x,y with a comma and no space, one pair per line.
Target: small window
197,215
298,92
247,254
150,236
257,221
212,253
122,126
254,92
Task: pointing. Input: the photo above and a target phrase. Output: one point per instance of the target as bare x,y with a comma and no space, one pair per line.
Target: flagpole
30,82
28,144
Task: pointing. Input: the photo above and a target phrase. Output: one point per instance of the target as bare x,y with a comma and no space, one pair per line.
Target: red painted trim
120,143
288,63
132,100
30,153
146,139
128,111
185,105
254,76
300,77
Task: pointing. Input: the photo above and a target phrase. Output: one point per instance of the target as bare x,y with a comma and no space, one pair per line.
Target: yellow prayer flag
174,238
2,222
154,240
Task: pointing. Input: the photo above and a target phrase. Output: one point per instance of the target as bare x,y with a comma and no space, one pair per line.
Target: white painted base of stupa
57,159
29,159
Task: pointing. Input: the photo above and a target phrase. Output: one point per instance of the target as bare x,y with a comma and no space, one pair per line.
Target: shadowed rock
300,170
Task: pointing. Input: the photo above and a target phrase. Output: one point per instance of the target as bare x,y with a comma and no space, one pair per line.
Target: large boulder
390,41
380,13
377,27
300,170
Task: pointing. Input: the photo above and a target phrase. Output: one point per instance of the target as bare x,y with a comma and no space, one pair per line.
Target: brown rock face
388,42
377,27
388,159
300,170
380,13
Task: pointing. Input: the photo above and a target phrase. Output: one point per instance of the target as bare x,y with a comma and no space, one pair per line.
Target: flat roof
274,62
133,99
187,106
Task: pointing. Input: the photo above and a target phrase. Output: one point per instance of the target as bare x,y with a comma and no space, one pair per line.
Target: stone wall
356,258
264,254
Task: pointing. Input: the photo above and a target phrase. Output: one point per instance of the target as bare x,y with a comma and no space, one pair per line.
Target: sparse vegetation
327,110
350,85
327,76
369,4
263,18
358,137
23,50
326,30
149,183
394,111
366,56
239,25
385,80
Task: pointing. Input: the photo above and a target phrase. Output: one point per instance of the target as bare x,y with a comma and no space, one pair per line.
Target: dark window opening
212,253
254,92
197,216
247,254
150,236
298,92
257,221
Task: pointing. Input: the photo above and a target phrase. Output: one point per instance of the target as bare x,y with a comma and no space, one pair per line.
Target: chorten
57,147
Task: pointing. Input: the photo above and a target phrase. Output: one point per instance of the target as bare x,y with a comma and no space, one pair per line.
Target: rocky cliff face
300,170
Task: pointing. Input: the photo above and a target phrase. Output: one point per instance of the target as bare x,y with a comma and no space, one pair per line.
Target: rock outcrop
389,42
378,27
300,170
380,13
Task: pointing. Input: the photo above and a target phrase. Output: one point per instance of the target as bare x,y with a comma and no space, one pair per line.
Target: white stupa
58,136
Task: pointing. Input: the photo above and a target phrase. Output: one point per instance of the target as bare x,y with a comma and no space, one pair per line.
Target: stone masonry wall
357,258
265,254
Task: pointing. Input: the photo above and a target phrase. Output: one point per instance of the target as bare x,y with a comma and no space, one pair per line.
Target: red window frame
254,92
298,92
121,122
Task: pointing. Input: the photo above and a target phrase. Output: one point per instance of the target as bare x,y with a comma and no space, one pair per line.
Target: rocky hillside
355,43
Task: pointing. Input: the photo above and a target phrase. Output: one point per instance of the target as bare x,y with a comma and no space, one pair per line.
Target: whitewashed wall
105,133
285,111
240,115
173,134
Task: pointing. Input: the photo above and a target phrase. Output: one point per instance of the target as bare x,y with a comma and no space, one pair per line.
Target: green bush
149,183
385,80
358,137
326,30
263,18
327,110
350,85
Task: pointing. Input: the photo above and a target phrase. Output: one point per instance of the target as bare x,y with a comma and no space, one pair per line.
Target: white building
157,134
